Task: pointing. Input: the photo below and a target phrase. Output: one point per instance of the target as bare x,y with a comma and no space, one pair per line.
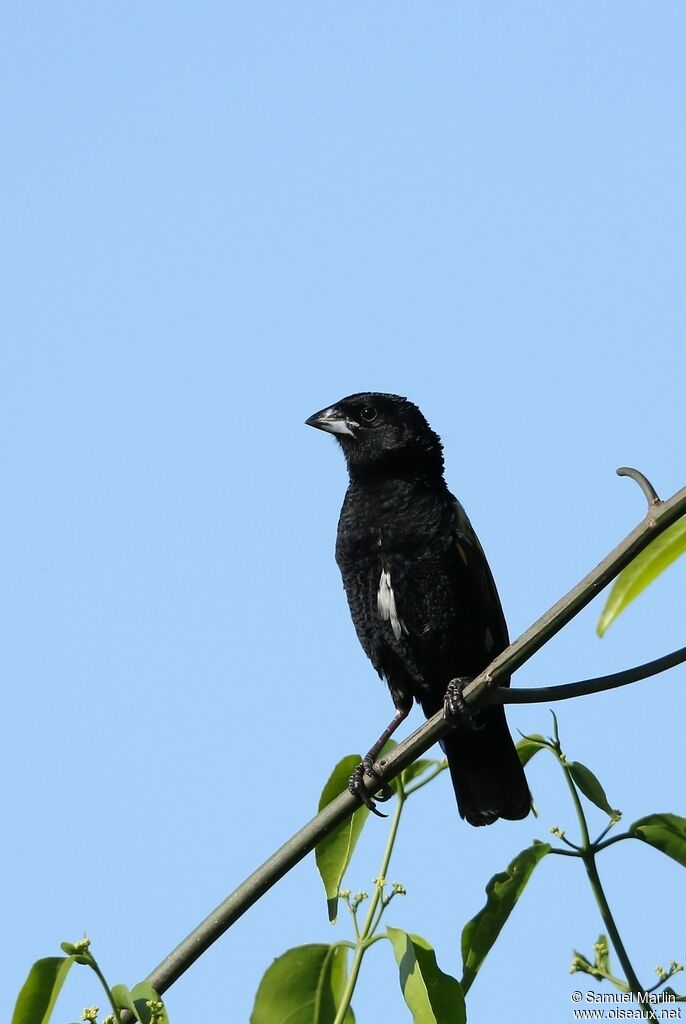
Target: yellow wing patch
462,553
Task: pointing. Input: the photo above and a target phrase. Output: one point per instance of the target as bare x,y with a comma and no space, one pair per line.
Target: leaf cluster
38,995
314,984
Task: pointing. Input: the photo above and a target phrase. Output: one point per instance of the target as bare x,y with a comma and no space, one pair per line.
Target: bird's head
380,432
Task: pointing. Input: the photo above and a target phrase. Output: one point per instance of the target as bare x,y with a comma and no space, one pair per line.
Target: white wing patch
385,602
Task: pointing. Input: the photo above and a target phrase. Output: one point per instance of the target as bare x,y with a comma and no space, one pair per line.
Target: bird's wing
444,605
478,579
437,614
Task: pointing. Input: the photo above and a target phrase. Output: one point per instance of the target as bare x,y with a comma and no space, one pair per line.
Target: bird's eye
368,414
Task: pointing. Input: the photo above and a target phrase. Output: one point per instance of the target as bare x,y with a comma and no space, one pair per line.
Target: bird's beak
332,420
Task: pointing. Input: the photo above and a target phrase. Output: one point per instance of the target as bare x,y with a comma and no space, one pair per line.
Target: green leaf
40,990
638,574
502,892
417,768
123,999
666,832
590,786
432,996
530,745
334,851
136,1001
142,994
338,962
304,986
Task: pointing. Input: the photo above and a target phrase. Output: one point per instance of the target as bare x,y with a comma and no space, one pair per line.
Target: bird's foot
357,787
455,707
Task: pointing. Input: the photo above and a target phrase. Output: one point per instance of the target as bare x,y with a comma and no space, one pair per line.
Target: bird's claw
357,787
455,708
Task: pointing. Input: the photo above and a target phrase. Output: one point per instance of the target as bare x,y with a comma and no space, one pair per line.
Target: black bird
421,594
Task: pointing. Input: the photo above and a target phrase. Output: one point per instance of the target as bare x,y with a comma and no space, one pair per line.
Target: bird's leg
455,708
366,766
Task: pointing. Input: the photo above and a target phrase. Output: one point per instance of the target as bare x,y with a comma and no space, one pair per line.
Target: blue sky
217,218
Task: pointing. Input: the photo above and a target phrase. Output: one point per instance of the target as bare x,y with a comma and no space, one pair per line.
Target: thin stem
371,920
598,841
370,942
598,684
642,481
588,851
380,907
674,969
571,845
583,825
609,921
597,846
353,914
108,991
344,942
427,778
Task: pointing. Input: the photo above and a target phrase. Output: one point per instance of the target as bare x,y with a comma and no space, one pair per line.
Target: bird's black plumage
420,591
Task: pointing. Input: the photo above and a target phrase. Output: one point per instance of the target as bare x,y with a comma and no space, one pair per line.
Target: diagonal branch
660,515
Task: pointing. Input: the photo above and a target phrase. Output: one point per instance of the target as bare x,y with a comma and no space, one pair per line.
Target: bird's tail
487,775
